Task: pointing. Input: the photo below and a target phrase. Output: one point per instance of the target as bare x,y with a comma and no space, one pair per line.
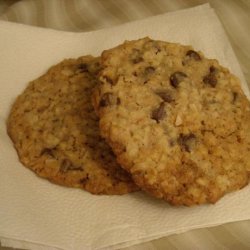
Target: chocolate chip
159,113
186,142
239,139
166,96
210,78
83,67
137,60
109,99
105,100
149,70
213,70
136,56
118,101
83,181
235,95
47,151
194,55
176,78
67,165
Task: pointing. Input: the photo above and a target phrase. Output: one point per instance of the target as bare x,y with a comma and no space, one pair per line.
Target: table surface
71,16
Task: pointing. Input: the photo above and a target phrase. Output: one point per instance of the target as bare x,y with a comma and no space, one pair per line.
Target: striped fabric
86,15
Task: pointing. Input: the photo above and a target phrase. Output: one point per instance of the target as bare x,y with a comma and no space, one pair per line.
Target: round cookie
55,130
178,122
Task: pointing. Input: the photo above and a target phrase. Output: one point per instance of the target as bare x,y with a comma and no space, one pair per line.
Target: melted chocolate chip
166,96
83,67
213,70
106,99
194,55
135,74
148,71
186,142
84,180
67,165
109,99
137,60
118,101
210,78
176,78
159,113
235,95
47,151
136,56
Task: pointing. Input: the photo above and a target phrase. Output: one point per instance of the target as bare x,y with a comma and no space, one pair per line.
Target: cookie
177,121
55,131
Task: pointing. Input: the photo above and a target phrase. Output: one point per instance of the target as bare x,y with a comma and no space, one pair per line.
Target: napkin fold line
145,239
23,244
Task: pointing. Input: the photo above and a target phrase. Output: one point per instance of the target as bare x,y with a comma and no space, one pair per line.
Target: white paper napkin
36,214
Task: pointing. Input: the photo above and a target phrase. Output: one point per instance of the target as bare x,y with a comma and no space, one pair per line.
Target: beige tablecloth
85,15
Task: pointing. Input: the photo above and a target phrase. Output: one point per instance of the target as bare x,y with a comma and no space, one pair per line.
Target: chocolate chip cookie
55,130
177,121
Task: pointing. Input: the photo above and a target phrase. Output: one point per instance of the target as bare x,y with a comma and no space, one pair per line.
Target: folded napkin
38,215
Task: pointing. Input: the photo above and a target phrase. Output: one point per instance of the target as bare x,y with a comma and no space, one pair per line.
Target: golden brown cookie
177,121
55,131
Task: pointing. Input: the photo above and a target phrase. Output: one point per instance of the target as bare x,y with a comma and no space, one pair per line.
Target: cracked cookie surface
177,121
55,130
